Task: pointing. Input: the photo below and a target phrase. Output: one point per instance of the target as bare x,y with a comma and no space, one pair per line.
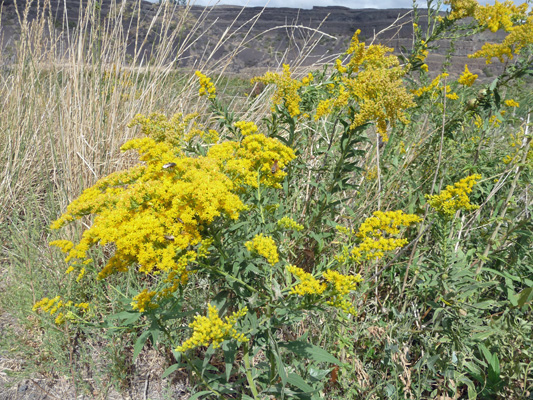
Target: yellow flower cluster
421,52
212,329
289,223
247,128
179,275
511,103
516,142
455,197
493,121
286,88
435,84
154,213
461,8
176,131
507,16
519,37
143,301
373,80
264,246
308,283
500,15
249,163
61,309
334,288
207,88
150,212
341,286
467,78
378,234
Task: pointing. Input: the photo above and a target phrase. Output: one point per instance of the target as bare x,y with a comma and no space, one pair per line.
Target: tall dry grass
67,95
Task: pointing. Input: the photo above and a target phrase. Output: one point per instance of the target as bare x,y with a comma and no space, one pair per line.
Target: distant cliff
253,39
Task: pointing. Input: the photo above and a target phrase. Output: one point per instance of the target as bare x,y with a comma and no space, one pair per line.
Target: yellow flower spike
461,8
454,198
264,246
308,285
247,128
211,329
286,89
467,78
207,88
377,234
80,275
143,301
289,223
511,103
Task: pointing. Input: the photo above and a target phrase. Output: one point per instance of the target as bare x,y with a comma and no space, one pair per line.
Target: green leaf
310,351
525,296
128,317
299,382
170,370
229,349
199,394
139,343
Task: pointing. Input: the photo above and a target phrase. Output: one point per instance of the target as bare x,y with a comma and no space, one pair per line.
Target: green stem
226,275
248,368
200,375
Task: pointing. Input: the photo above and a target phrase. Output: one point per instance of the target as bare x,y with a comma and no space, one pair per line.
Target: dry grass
65,104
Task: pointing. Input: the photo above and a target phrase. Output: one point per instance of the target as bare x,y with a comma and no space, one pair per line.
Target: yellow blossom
343,284
264,246
467,78
455,197
249,163
511,103
500,15
211,329
289,223
434,84
247,128
378,234
308,284
286,89
207,88
80,275
519,37
372,79
461,8
143,301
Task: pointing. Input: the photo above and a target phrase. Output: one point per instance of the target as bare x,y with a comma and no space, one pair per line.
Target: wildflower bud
471,104
482,94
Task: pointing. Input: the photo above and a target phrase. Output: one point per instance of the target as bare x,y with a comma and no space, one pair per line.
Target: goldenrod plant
360,229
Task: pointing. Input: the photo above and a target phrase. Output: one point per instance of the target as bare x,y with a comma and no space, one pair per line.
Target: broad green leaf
525,296
310,351
139,343
170,370
299,382
200,394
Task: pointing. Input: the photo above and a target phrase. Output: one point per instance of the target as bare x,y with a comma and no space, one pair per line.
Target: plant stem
248,368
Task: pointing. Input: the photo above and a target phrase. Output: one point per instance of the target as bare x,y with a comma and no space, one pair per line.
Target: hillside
249,40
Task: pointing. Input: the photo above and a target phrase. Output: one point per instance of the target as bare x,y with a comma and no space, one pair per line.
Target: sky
323,3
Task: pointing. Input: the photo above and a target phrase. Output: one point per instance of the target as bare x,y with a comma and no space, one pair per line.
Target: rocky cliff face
254,39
